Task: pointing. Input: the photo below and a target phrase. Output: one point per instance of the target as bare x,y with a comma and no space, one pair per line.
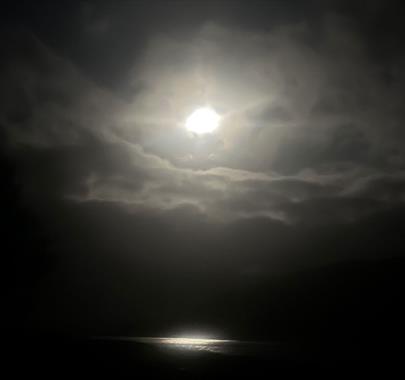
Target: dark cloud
314,116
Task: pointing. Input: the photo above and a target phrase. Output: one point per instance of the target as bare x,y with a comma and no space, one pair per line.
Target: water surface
218,346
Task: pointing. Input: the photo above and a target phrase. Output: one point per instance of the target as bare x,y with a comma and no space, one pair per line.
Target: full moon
203,120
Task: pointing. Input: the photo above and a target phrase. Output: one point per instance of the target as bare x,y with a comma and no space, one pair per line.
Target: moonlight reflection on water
189,343
198,344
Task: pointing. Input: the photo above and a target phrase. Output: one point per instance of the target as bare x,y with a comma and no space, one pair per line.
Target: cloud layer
311,134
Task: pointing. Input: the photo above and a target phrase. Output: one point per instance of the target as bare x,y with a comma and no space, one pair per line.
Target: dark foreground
103,358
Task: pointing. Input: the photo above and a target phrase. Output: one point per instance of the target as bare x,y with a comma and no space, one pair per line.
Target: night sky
286,221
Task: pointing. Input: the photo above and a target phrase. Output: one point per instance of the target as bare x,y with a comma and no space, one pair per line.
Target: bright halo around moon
203,120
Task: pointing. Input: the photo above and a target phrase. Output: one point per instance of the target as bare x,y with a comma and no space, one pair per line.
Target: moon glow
202,121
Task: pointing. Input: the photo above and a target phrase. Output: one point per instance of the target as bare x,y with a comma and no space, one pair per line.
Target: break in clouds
311,131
